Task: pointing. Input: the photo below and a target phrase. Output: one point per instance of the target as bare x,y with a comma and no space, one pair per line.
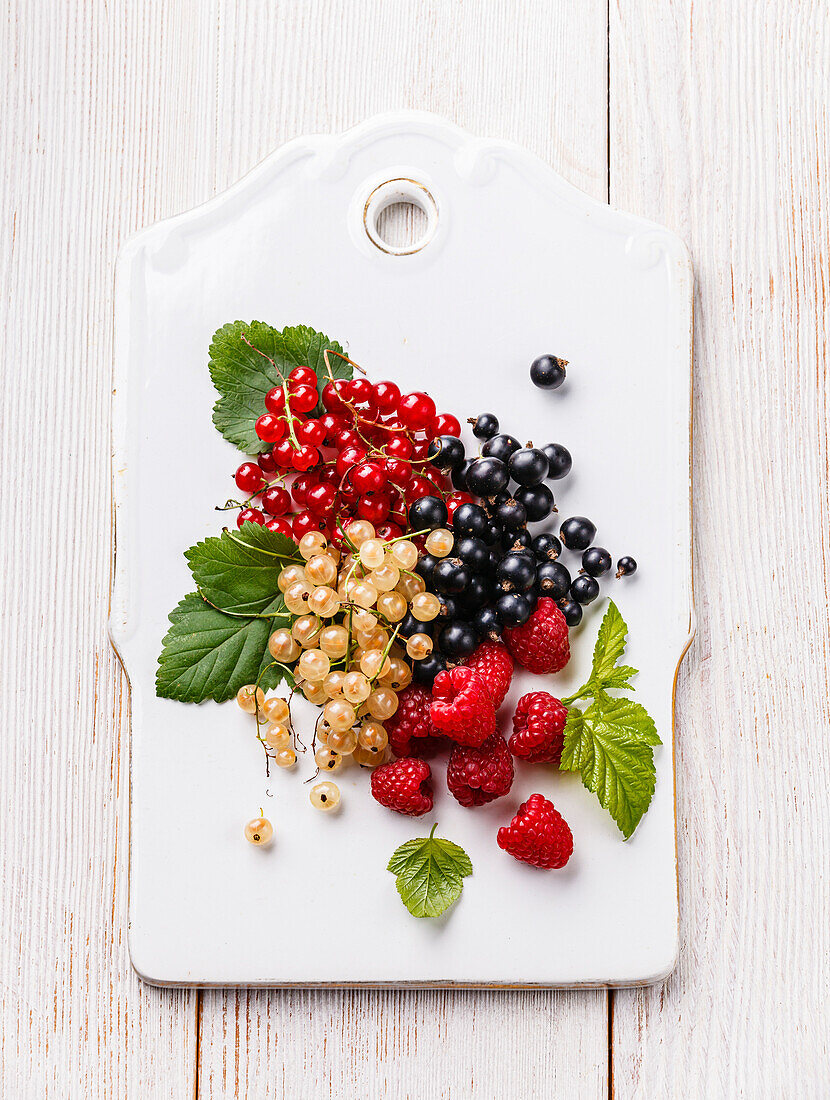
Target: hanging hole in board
400,217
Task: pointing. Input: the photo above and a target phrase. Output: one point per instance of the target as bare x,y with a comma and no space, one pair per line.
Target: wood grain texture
719,129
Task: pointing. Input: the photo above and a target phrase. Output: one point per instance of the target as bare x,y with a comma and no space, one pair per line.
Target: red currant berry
361,392
374,507
388,531
275,400
267,463
333,394
280,525
283,452
320,499
332,425
399,447
311,432
302,523
270,428
445,424
398,471
300,487
249,478
250,515
347,438
455,500
368,477
276,501
416,410
306,458
348,457
329,475
420,449
386,396
303,400
419,487
303,376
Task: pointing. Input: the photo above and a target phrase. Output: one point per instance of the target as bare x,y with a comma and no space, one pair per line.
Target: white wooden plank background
117,113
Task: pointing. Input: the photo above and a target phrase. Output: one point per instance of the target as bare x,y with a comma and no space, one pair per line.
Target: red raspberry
494,665
410,728
541,644
462,707
538,835
399,786
538,726
476,776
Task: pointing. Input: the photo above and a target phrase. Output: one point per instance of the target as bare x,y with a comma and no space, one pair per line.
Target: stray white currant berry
327,760
259,830
325,796
276,709
439,542
286,758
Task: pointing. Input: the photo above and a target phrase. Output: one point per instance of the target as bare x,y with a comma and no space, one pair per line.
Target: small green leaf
430,873
207,654
238,571
610,643
619,678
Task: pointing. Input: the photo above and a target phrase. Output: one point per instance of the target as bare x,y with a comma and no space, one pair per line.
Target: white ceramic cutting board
515,262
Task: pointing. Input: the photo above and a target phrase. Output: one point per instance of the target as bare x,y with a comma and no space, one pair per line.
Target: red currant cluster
365,457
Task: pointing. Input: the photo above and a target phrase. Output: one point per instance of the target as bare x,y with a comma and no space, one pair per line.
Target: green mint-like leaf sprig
430,874
247,359
218,636
611,741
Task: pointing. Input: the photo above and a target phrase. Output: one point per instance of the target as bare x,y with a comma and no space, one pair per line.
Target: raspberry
410,728
476,776
541,644
462,707
538,726
399,786
538,835
494,665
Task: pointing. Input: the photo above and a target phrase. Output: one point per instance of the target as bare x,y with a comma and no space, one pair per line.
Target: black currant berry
547,372
513,609
553,579
477,593
424,672
427,512
469,519
626,566
572,612
501,447
559,460
515,573
457,639
546,546
538,501
448,611
488,623
485,426
486,477
511,514
425,566
596,561
409,625
473,552
458,475
451,575
577,533
528,466
515,540
493,533
584,589
446,452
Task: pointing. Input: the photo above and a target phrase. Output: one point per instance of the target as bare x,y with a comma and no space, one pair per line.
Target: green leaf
610,643
207,654
430,873
610,744
619,678
238,571
249,359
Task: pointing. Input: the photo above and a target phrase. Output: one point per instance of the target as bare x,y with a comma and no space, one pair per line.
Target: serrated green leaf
430,873
238,571
610,744
247,359
610,643
619,678
207,654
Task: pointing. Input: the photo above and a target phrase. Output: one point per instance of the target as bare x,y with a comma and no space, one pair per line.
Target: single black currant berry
448,611
473,552
493,532
425,566
477,593
409,625
553,579
515,540
538,501
546,546
559,460
485,425
458,474
451,575
572,612
516,573
427,512
446,452
547,372
425,671
488,623
457,639
596,561
486,477
626,566
469,519
511,514
584,589
513,609
501,447
577,533
528,466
